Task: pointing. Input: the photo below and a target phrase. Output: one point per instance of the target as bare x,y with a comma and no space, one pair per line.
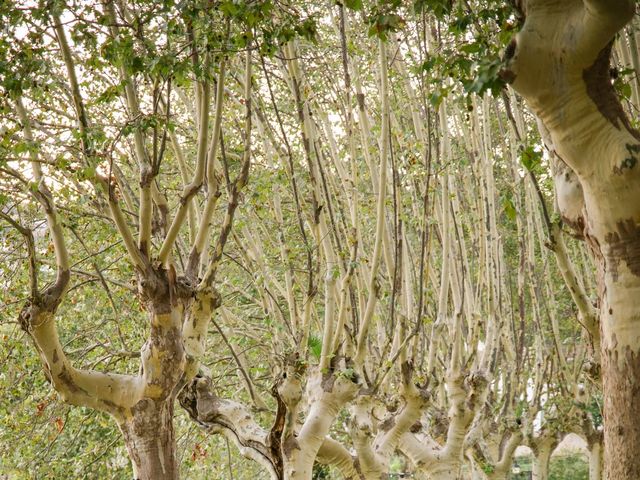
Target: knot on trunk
199,401
592,369
438,424
289,382
361,410
475,383
29,314
413,391
42,306
160,289
153,290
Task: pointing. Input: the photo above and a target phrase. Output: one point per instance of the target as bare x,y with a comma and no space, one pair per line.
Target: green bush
565,467
569,467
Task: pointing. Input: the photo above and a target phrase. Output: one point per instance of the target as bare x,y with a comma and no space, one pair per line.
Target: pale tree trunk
560,63
276,450
142,405
478,474
498,455
449,470
445,462
541,463
328,393
595,461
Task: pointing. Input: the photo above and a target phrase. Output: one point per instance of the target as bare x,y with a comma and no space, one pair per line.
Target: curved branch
333,453
83,122
236,188
106,392
380,217
192,188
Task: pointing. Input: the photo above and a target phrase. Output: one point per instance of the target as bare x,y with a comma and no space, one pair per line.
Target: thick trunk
301,465
150,440
147,426
300,453
560,63
595,461
541,463
501,473
620,320
445,471
477,474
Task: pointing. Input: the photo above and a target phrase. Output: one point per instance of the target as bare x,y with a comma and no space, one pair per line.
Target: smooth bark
595,461
560,63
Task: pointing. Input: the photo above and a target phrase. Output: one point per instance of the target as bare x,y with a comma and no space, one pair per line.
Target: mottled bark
150,440
561,66
496,454
292,458
446,470
466,394
498,475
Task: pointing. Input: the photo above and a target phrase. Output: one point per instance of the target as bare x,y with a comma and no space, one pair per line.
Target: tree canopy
294,240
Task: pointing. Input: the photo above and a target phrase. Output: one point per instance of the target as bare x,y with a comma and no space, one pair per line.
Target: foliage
502,271
569,467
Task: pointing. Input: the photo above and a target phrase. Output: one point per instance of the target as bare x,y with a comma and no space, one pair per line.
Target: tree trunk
498,474
620,319
327,394
150,440
478,474
502,475
445,471
595,461
541,463
560,63
299,453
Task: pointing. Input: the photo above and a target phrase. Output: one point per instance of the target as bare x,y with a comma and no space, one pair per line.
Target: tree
142,404
378,296
560,64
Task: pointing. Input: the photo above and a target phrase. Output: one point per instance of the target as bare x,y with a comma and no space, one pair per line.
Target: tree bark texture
560,63
541,463
150,440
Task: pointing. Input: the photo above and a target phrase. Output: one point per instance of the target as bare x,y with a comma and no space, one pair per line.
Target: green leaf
509,207
307,29
315,346
531,159
436,98
428,64
474,47
108,94
355,5
439,8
